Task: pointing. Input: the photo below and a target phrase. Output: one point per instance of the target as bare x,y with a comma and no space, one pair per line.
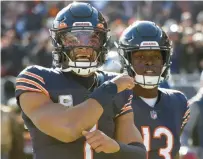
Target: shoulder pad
32,79
173,92
181,100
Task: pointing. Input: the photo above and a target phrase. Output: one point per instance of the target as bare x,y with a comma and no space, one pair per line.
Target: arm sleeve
191,124
130,151
122,103
30,80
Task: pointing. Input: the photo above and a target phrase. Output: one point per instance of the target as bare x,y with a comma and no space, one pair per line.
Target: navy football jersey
65,90
161,125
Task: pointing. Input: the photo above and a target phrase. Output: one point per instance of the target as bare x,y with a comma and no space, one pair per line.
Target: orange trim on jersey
186,113
188,117
27,88
129,103
35,76
185,121
116,115
130,97
24,80
124,110
86,144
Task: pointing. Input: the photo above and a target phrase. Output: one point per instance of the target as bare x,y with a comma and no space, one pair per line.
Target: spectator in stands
12,54
12,143
6,133
35,16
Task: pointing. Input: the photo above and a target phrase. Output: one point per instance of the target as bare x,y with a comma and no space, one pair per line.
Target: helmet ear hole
165,73
164,54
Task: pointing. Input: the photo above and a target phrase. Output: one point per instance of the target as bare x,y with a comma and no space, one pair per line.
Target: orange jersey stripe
129,103
27,88
130,97
185,121
187,117
24,80
35,76
126,106
124,110
186,113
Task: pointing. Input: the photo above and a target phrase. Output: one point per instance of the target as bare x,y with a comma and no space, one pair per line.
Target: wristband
130,151
104,94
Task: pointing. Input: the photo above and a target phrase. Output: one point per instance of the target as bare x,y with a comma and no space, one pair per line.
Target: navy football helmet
145,35
79,27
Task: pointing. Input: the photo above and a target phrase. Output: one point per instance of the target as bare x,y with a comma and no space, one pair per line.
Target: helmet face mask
80,40
144,37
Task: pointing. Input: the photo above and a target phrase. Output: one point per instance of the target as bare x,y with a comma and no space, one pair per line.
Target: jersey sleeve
191,124
122,103
186,109
30,80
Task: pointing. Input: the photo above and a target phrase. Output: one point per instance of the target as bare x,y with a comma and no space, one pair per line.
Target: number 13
158,132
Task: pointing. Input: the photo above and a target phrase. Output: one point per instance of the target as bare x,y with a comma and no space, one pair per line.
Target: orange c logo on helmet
62,25
100,25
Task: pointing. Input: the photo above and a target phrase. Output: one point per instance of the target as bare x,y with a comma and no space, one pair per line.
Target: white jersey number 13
157,134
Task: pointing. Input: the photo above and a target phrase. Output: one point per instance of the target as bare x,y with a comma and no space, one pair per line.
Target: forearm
70,122
123,123
66,124
130,142
130,151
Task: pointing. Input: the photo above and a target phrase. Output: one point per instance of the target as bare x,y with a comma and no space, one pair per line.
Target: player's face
84,44
83,55
147,62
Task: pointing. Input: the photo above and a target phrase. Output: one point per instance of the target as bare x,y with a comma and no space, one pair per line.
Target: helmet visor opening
80,38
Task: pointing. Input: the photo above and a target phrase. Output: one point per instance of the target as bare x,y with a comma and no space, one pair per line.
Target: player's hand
123,82
100,142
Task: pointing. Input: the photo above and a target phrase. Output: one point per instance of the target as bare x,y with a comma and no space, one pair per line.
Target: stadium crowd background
25,41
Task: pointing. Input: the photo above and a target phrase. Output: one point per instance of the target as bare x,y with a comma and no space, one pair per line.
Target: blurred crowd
25,35
25,41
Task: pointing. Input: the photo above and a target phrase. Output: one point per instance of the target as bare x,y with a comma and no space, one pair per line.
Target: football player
192,135
159,113
70,111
